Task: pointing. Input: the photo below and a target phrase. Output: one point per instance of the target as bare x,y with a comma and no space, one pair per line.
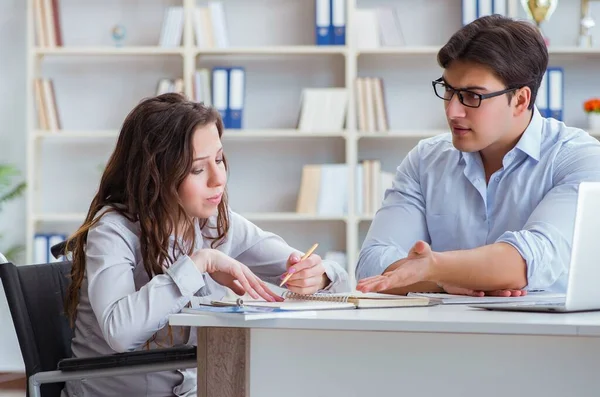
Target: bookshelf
97,83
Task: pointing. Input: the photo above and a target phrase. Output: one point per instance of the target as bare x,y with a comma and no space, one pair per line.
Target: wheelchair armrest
127,359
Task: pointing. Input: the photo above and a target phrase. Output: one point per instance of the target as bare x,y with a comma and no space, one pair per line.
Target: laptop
583,293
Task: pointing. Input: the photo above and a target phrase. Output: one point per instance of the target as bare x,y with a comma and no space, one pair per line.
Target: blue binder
237,89
220,91
338,21
556,92
324,29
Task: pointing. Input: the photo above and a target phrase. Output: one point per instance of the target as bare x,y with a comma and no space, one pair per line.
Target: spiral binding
315,297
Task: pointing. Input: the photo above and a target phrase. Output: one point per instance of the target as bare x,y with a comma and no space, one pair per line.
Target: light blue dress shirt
439,195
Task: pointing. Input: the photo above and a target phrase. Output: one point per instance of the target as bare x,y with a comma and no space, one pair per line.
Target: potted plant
9,191
592,108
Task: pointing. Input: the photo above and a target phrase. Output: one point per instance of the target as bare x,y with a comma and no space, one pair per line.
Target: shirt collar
531,140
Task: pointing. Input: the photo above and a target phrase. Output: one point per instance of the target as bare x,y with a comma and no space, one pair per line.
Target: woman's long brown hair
152,157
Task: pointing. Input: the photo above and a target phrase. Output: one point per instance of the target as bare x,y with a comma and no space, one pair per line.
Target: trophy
586,25
540,11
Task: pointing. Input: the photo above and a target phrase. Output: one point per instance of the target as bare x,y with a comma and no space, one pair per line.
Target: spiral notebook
324,301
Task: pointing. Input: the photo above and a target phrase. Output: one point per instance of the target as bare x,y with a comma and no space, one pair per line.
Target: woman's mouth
215,199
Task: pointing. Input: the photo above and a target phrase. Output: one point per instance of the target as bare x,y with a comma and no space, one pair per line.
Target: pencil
308,253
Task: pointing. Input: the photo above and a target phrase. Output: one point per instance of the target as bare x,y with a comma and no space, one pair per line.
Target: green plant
9,191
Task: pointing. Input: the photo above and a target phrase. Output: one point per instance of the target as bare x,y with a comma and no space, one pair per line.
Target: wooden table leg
223,362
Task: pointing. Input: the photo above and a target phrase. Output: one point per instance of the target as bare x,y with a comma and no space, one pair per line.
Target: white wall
12,149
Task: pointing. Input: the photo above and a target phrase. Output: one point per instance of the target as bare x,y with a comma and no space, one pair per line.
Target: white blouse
120,308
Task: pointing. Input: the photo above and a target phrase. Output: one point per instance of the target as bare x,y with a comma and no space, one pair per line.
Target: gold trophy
540,11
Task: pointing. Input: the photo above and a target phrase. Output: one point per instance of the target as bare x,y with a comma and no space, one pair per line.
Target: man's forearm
424,286
488,268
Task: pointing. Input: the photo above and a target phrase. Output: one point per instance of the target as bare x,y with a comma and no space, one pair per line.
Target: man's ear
521,100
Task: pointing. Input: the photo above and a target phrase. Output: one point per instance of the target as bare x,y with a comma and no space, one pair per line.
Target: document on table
449,299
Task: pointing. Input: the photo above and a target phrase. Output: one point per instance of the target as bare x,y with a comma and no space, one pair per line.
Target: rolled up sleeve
546,239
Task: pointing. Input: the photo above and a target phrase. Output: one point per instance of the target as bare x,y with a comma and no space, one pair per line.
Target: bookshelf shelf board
572,50
147,50
290,217
408,50
400,134
274,50
364,218
72,134
231,134
252,216
59,217
276,133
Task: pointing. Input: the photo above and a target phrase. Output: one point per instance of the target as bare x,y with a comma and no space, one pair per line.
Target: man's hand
416,267
469,292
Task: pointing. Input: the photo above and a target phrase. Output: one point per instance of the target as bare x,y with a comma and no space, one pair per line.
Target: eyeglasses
468,98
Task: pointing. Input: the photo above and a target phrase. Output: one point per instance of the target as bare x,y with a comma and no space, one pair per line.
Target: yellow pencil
308,253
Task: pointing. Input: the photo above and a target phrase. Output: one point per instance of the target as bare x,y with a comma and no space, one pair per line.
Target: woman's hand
308,275
232,274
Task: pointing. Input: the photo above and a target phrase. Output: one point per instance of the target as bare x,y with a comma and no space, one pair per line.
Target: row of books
48,32
42,244
330,22
370,104
45,103
209,24
169,85
473,9
377,27
324,188
550,96
323,109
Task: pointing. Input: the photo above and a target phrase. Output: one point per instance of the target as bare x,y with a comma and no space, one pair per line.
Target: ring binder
315,297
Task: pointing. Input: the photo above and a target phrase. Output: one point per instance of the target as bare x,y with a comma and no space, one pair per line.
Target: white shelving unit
97,84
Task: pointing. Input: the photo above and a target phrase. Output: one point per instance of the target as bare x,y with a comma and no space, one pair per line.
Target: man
489,208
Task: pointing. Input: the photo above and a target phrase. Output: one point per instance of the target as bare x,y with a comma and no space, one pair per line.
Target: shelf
290,217
409,50
364,218
400,134
568,50
275,133
147,50
72,134
254,217
59,217
273,50
228,135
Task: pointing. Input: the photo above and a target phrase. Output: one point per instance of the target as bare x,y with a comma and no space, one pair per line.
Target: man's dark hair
513,49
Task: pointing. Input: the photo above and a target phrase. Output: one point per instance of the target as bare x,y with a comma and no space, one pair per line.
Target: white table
429,351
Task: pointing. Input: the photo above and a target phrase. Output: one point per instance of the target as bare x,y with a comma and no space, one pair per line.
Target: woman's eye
197,172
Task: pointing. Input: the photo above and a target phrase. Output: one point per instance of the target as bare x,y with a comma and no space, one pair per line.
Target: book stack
45,102
371,182
324,188
323,110
171,31
377,27
169,85
47,23
371,111
473,9
210,27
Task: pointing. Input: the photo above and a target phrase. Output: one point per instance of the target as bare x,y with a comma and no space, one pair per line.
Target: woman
158,232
